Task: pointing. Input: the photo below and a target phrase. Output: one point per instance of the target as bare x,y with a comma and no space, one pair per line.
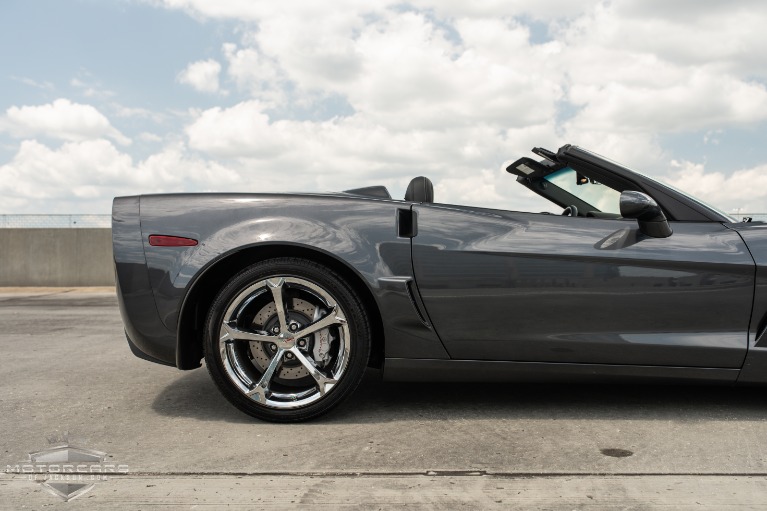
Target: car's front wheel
286,340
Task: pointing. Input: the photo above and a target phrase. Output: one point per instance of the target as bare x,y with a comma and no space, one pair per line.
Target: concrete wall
56,257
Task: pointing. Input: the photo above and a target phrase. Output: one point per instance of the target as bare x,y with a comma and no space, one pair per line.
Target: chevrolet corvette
290,297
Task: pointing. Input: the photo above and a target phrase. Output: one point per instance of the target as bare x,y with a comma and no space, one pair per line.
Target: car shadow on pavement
194,395
377,401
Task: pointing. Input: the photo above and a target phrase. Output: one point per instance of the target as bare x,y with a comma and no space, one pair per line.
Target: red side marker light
160,240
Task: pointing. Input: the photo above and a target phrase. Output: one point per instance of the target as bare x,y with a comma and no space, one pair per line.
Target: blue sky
132,49
105,98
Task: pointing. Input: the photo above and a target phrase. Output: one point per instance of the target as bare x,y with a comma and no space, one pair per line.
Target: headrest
420,189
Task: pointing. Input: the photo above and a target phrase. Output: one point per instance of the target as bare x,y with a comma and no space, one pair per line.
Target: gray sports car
289,297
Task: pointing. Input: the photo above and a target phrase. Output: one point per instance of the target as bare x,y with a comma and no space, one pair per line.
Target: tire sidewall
331,282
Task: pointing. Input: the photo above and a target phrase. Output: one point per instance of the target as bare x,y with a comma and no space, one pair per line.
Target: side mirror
650,217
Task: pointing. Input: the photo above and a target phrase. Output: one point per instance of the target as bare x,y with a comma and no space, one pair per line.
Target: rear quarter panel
134,291
359,232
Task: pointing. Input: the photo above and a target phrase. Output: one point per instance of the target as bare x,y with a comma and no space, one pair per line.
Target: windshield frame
678,205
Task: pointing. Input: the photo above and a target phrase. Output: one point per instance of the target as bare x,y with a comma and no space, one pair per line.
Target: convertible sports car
289,297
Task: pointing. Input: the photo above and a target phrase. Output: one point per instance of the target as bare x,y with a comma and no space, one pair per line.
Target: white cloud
378,92
91,88
38,174
354,151
61,119
700,100
458,88
238,131
315,55
494,9
256,74
85,176
256,11
42,85
125,112
634,69
202,75
145,136
718,32
403,71
246,131
744,190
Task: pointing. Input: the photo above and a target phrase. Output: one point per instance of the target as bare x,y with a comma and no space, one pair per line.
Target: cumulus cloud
61,119
456,87
405,71
381,91
84,176
146,136
626,72
258,11
693,102
256,74
744,190
126,112
493,9
90,88
202,75
686,32
42,85
245,130
348,152
451,9
242,130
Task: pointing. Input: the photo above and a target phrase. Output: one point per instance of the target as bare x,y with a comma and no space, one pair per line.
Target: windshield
598,196
666,185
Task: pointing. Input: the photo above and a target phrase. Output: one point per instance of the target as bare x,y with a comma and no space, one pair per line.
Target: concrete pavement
67,373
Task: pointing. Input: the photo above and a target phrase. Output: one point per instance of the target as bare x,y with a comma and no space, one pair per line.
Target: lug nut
301,343
289,356
273,347
293,327
275,330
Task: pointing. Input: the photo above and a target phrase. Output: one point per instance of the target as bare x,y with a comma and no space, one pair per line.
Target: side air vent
416,304
761,338
403,286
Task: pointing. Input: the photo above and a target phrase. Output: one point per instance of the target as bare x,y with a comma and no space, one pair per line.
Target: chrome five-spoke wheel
285,336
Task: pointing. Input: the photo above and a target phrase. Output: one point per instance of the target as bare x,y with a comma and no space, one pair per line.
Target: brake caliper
322,341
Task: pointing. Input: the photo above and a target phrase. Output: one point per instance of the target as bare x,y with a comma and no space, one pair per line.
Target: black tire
240,338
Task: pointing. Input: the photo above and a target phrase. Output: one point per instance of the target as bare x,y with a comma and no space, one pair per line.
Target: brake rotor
301,311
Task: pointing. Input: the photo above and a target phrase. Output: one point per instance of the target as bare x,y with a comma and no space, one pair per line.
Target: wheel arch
203,290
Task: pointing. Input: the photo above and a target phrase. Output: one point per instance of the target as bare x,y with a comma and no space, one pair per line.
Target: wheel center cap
285,341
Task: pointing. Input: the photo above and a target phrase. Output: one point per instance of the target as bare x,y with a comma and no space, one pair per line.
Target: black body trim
429,370
140,354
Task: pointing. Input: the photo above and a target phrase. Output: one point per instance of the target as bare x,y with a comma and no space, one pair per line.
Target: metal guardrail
54,221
